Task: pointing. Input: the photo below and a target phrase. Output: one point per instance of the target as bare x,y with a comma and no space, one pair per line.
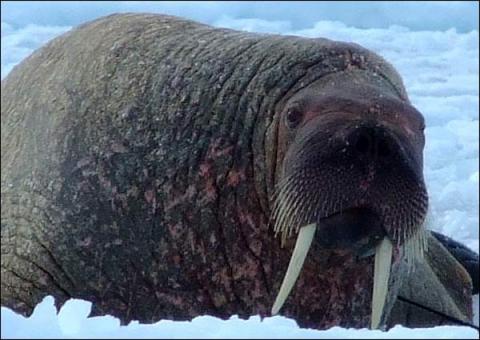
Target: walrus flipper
467,258
439,282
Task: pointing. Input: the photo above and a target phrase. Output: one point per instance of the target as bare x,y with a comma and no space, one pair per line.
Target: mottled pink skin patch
132,191
85,242
256,247
151,199
176,259
338,296
117,147
122,198
84,161
171,298
185,197
365,184
105,182
245,217
210,190
215,151
234,177
205,169
175,230
248,269
223,278
149,196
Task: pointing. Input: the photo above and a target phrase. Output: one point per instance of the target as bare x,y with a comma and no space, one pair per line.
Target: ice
71,322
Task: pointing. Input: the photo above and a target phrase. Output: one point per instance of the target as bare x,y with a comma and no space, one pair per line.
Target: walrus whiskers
286,200
282,194
284,208
291,207
415,247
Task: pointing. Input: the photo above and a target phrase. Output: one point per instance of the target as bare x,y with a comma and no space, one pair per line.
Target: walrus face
352,174
349,159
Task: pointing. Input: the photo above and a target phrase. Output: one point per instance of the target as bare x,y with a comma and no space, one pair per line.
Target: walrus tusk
304,240
383,262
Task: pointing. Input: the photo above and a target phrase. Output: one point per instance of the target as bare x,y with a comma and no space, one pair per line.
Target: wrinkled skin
140,155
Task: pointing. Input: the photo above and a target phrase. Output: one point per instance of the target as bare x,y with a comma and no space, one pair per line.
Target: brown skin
139,159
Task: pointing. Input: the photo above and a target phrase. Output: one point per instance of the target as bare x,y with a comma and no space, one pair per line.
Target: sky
435,48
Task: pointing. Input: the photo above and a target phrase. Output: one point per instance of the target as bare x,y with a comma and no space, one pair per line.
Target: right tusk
304,240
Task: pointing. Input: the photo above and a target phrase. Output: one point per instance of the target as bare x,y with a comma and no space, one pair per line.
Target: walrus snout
336,165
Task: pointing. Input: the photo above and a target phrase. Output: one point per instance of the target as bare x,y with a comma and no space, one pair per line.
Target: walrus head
351,178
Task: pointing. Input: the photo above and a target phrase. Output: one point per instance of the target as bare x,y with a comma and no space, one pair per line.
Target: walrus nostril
363,144
370,142
383,148
362,140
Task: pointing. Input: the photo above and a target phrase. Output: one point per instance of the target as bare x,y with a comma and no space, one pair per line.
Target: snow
440,68
72,322
436,15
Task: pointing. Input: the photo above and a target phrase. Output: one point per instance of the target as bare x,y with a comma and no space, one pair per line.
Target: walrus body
140,156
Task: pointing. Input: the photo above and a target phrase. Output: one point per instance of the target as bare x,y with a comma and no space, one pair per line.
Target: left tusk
383,263
304,240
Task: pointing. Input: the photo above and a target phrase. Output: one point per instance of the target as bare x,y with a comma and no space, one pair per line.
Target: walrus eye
293,117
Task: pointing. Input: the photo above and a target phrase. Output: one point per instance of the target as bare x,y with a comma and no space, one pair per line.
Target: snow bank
72,322
418,15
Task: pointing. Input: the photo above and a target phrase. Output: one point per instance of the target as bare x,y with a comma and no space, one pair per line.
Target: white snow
441,74
436,15
72,322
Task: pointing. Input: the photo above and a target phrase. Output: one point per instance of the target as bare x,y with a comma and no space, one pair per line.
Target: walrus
149,163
